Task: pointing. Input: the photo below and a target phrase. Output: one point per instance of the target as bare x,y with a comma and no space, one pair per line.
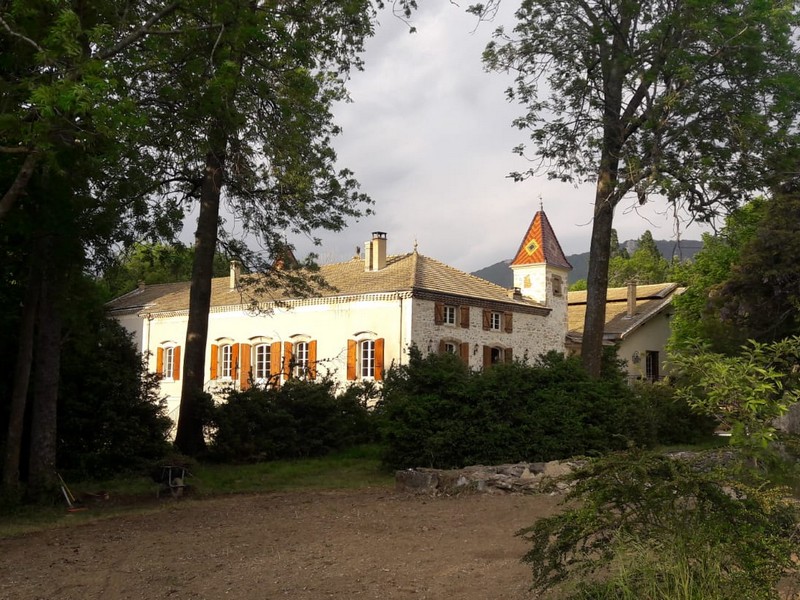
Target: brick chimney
631,298
236,270
375,252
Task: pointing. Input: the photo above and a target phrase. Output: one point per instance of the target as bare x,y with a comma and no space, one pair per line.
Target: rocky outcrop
520,478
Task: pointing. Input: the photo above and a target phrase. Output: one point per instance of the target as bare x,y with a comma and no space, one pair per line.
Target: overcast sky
429,136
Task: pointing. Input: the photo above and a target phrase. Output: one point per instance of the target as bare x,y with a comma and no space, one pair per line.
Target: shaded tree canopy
696,314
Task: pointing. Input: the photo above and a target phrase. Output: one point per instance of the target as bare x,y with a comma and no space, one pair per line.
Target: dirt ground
306,546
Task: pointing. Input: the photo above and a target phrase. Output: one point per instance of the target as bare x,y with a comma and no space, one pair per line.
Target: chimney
375,252
631,298
236,270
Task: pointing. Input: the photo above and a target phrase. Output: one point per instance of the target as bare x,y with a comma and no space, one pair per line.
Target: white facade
376,309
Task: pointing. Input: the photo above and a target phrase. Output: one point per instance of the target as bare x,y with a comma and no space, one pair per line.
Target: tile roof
540,245
404,272
650,300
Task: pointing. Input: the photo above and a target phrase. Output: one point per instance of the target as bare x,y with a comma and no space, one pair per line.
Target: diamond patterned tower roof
540,245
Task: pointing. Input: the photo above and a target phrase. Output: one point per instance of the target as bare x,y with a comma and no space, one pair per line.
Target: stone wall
519,477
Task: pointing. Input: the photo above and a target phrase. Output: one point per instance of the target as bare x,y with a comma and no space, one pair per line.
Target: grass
354,468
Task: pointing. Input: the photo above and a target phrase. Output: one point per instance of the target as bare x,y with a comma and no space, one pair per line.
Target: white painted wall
653,335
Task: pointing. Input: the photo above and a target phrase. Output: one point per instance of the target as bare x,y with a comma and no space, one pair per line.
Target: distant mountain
501,274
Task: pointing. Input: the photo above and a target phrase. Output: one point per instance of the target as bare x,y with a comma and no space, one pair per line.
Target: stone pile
520,478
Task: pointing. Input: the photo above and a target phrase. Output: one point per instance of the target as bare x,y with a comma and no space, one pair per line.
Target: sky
428,134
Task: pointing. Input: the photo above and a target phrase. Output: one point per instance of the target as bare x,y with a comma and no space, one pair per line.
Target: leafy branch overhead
697,101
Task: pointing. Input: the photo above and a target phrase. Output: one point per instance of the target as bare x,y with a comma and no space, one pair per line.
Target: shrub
299,419
646,526
110,417
437,413
671,419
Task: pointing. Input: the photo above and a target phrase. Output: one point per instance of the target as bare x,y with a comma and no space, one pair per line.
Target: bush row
435,412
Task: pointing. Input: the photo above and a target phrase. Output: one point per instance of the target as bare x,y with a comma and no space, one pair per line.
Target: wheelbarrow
173,480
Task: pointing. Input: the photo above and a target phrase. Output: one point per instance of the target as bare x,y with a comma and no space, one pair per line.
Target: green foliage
110,417
299,419
746,392
154,263
761,297
437,413
647,526
578,286
671,417
645,265
696,314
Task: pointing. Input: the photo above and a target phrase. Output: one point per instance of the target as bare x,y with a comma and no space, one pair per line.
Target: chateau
376,306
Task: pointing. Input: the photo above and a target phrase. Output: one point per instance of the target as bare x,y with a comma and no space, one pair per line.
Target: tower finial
541,203
416,245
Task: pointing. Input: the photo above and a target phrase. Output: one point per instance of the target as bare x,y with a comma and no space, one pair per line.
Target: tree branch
20,36
139,33
20,182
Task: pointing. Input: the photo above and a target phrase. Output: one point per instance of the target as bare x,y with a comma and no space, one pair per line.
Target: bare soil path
301,545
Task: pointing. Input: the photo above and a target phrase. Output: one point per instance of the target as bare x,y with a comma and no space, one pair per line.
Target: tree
697,315
747,392
154,263
761,297
645,265
693,101
248,91
72,176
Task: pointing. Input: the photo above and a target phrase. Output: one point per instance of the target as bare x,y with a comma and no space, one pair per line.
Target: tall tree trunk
22,375
597,278
189,437
42,462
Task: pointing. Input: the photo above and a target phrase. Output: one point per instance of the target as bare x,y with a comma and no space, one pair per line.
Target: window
497,321
262,364
651,365
168,362
450,315
493,355
558,289
300,359
226,361
450,348
365,359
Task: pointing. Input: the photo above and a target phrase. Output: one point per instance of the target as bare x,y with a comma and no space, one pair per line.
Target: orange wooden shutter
441,346
508,355
160,361
176,363
465,352
438,313
487,320
312,359
214,360
487,356
352,347
287,359
275,358
234,361
508,317
379,359
244,374
464,317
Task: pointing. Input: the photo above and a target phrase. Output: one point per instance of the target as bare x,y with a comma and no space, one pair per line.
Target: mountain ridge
501,273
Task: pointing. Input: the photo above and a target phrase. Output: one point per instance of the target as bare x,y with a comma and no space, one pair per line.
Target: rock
419,482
